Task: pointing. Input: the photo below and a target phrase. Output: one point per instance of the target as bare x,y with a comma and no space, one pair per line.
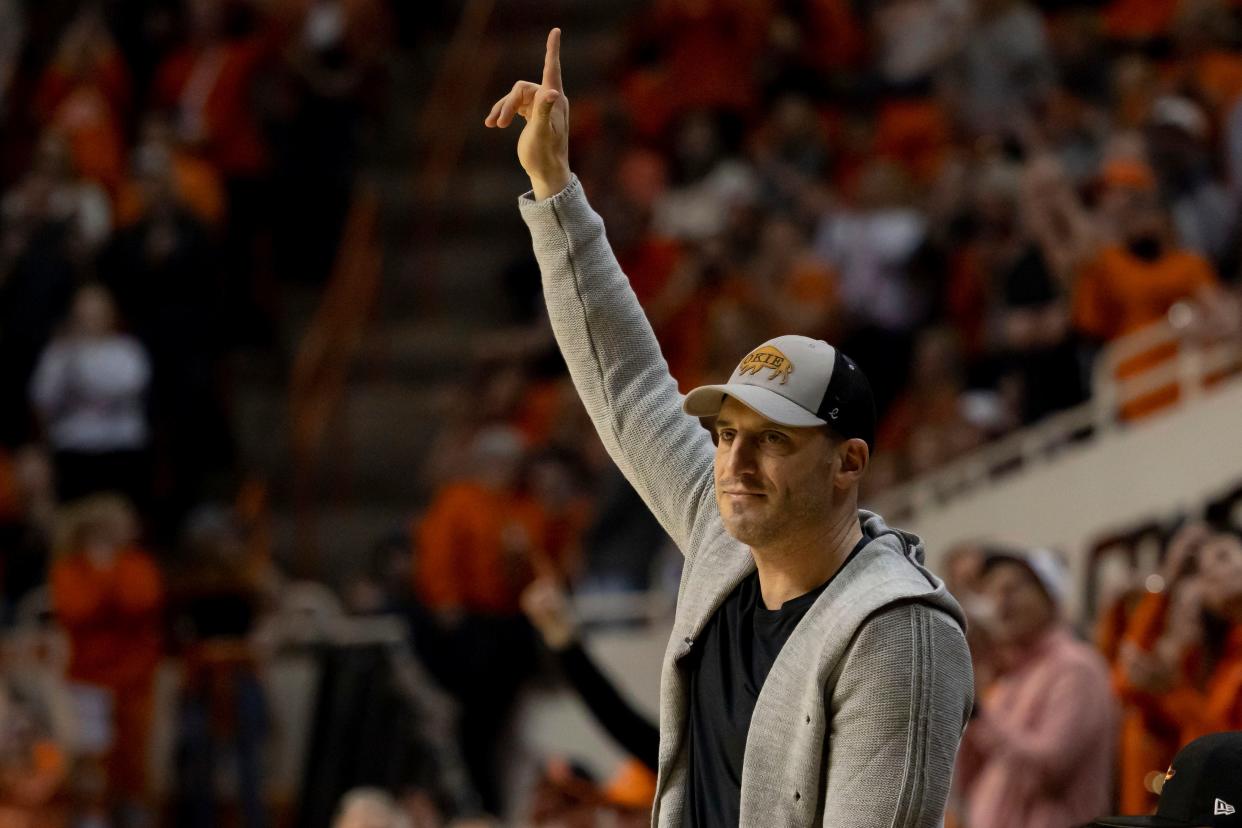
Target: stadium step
440,287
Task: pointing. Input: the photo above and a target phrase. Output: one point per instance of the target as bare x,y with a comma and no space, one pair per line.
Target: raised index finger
552,62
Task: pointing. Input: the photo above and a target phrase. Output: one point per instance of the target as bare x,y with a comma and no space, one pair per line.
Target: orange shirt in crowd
478,548
1194,708
1146,745
834,37
89,108
211,90
966,298
916,134
196,185
708,47
1139,19
1217,76
1118,293
30,792
113,617
652,266
538,411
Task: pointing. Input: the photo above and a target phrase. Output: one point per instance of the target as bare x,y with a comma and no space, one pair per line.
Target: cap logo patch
768,358
1222,807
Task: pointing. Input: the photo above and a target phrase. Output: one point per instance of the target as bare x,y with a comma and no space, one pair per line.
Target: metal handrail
325,354
445,125
334,337
1192,370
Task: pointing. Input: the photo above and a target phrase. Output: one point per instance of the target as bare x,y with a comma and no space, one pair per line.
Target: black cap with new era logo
1203,788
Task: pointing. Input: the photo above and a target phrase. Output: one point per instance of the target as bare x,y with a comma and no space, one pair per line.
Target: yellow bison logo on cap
770,358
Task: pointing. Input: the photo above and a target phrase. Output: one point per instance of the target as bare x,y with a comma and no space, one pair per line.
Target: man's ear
854,456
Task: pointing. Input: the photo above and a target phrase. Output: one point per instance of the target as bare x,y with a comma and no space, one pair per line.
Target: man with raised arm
817,673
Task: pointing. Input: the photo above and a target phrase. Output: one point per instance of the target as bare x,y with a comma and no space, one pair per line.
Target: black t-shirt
728,665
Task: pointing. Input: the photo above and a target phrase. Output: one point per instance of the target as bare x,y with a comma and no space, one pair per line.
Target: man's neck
798,564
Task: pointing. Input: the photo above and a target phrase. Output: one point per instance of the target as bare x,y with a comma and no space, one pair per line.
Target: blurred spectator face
93,313
1220,563
1134,81
937,360
100,543
153,161
52,157
641,177
1177,132
83,42
1202,24
158,131
782,238
497,454
552,483
1023,611
1142,224
153,169
697,146
963,570
996,198
501,391
883,185
794,121
97,528
324,26
33,471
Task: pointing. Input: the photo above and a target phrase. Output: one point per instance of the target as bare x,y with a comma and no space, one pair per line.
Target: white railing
1196,363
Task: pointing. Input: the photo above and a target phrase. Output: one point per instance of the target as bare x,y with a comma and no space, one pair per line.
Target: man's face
1022,609
771,480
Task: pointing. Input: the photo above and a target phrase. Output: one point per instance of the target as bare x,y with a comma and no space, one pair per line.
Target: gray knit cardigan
859,720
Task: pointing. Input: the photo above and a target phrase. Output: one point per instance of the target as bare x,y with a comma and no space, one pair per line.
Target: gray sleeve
900,704
616,364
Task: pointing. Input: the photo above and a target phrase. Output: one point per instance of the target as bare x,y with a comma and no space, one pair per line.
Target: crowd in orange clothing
155,163
1178,662
1077,720
970,198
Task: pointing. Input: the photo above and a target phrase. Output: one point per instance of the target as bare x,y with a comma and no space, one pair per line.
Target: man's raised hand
543,146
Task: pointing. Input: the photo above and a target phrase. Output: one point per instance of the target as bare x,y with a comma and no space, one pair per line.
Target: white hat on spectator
1046,565
1179,112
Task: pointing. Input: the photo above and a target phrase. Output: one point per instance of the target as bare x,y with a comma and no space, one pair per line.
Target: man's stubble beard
767,529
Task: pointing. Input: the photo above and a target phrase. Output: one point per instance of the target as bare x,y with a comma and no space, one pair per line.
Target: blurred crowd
1071,726
970,197
164,168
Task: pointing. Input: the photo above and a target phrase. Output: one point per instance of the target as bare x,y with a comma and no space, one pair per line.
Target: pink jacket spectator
1039,752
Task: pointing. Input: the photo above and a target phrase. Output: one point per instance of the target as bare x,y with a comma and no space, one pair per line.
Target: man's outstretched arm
606,340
